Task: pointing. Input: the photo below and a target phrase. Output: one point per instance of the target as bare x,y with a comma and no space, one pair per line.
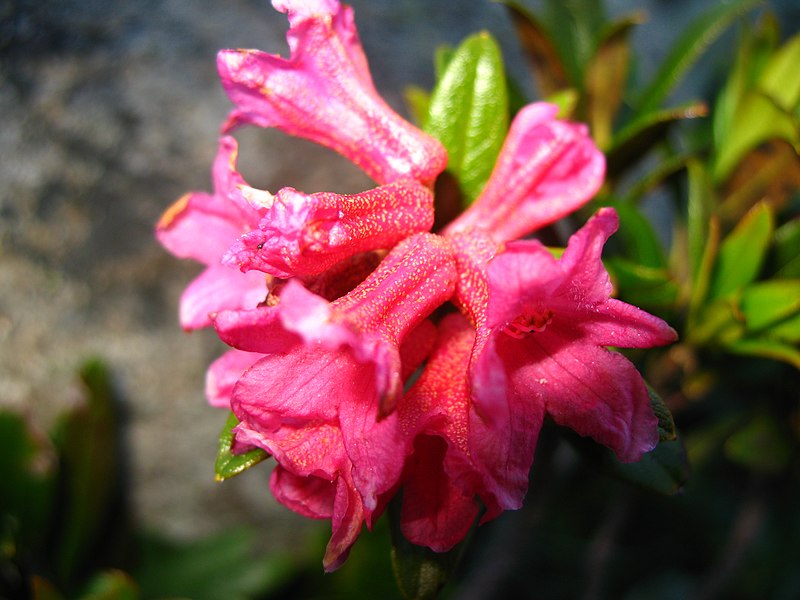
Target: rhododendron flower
301,235
330,371
324,92
546,169
543,349
203,226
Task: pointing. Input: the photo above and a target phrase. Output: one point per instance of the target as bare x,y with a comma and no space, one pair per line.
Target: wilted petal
546,169
303,235
324,93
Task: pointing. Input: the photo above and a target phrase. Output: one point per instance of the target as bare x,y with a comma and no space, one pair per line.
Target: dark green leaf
760,445
221,566
742,252
574,26
640,136
547,67
27,480
641,242
468,112
420,572
666,168
87,439
664,470
786,250
228,464
646,287
666,424
692,43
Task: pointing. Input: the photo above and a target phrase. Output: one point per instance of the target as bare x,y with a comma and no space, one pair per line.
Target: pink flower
202,227
546,170
324,93
302,235
321,399
542,348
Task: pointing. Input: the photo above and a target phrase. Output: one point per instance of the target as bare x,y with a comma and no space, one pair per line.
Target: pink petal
348,517
435,513
324,93
223,374
219,288
256,330
303,235
312,497
546,169
594,391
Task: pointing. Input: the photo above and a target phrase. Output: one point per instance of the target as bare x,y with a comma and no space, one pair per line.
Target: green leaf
666,424
691,44
468,112
742,252
760,445
417,101
642,286
642,134
420,572
228,464
640,239
220,566
786,250
779,80
700,207
574,26
547,68
766,303
767,348
664,470
666,168
606,76
27,478
87,439
111,585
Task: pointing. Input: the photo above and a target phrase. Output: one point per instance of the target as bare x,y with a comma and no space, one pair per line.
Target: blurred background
110,111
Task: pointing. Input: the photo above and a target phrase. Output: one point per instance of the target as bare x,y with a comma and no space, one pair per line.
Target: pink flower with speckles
331,303
324,92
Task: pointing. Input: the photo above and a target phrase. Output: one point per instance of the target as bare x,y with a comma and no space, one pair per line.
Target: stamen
526,324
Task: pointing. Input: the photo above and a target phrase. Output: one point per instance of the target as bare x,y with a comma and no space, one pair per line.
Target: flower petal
546,169
219,288
324,93
223,374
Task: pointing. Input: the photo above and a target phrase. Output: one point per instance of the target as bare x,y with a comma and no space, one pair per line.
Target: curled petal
305,235
324,93
219,288
546,169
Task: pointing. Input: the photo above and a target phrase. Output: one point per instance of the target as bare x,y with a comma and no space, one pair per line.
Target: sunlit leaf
767,348
228,464
779,80
548,69
768,302
468,112
742,252
692,43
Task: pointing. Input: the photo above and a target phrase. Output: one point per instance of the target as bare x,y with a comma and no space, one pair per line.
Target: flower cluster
331,303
